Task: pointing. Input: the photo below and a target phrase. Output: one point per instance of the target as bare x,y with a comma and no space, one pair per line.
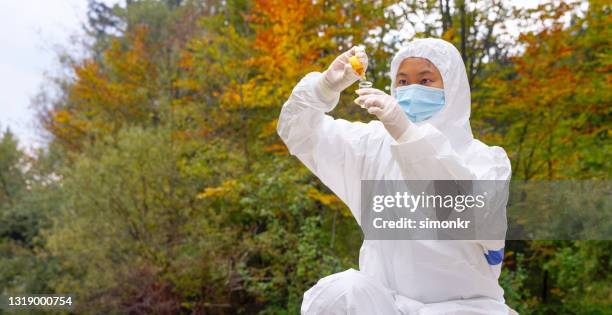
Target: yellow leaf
219,191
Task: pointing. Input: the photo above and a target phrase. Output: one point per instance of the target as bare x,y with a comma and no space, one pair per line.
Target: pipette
358,67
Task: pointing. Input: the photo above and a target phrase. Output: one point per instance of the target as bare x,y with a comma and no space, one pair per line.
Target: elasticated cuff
416,146
324,92
412,133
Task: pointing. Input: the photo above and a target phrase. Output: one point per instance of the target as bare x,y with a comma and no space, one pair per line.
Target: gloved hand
340,73
386,108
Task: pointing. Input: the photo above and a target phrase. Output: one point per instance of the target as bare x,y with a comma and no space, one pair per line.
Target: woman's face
416,70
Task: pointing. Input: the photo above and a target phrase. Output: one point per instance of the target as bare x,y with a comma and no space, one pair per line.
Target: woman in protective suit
422,132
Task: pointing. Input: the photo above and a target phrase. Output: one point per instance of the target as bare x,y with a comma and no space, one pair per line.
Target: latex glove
386,109
340,73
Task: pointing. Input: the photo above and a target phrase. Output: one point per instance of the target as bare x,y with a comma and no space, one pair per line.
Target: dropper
358,67
363,83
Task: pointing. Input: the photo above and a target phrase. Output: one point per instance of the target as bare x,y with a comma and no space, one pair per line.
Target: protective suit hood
453,120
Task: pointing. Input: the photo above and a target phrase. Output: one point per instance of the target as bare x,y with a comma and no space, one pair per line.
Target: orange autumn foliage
109,94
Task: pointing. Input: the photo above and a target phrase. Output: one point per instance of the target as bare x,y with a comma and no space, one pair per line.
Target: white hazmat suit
400,276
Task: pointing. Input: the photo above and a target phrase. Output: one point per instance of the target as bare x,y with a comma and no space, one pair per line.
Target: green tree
28,194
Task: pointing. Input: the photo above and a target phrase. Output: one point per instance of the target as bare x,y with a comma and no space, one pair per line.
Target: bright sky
30,31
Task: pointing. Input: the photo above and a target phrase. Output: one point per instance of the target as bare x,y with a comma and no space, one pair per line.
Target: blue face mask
419,102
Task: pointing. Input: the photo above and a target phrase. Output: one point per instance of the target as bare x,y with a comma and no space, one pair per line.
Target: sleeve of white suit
335,150
424,153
